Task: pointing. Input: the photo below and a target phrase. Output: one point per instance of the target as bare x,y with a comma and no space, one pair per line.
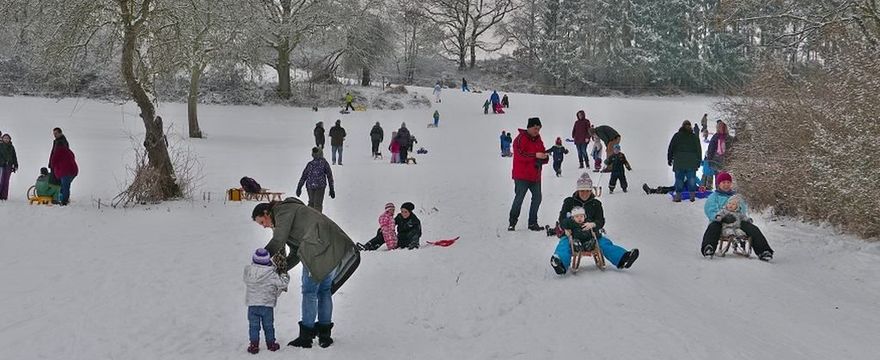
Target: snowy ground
164,282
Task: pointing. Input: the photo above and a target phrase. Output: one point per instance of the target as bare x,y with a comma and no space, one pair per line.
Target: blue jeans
583,156
611,251
685,178
316,300
519,188
261,315
65,188
334,149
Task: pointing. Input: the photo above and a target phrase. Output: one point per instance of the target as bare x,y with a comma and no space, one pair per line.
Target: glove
299,192
332,194
728,219
669,162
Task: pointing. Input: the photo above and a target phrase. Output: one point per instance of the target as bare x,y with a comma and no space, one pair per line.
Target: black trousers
614,177
375,147
759,242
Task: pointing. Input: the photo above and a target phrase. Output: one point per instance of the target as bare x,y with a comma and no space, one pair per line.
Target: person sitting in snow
714,206
596,152
409,227
731,208
558,151
386,233
486,106
46,187
594,221
264,282
616,164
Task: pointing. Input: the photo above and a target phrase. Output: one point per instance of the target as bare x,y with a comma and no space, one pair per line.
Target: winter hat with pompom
261,256
722,177
577,210
584,182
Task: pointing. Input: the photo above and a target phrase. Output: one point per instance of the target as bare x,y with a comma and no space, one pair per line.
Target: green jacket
349,98
7,155
685,151
314,239
44,188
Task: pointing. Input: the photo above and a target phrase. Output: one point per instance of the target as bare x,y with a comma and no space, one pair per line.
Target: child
505,144
616,162
436,117
409,227
708,177
732,209
386,233
45,187
584,240
597,154
394,147
486,107
558,152
264,282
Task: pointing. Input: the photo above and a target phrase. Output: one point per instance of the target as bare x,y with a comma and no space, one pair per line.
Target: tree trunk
192,102
462,48
154,140
365,79
473,53
283,68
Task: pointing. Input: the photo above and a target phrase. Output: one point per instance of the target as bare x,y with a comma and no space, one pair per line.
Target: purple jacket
315,175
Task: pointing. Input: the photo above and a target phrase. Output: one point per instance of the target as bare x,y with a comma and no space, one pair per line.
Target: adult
580,132
349,101
337,136
609,136
495,100
684,156
584,198
464,85
437,90
316,176
403,140
704,123
320,139
62,162
8,164
528,159
714,204
505,101
376,137
717,148
328,255
409,227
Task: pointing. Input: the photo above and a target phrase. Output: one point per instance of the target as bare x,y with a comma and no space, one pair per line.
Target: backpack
250,185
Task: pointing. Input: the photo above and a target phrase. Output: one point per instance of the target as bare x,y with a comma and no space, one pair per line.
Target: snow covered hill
164,281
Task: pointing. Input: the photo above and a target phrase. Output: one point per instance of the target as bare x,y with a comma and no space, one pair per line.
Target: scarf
721,145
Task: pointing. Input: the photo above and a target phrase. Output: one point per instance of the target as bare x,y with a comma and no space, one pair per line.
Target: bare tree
454,17
484,15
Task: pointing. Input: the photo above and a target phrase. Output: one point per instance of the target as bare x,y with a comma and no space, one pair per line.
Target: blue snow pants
611,251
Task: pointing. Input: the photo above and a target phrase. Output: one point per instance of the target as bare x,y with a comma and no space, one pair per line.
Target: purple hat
261,256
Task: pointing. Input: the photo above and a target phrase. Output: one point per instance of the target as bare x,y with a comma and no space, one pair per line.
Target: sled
264,194
742,246
576,256
443,243
34,199
687,195
431,125
360,108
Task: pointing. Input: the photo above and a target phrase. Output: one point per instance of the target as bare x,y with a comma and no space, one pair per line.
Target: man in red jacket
581,135
528,159
63,164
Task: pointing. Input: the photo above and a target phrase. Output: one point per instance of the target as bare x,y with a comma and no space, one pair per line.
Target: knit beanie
577,210
316,152
533,122
584,182
722,177
44,171
408,206
261,256
389,206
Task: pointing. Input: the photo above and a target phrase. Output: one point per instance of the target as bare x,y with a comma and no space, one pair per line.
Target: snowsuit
585,239
264,285
409,231
403,139
708,178
580,132
597,155
505,145
337,136
316,176
526,175
386,234
437,90
486,106
558,152
376,137
609,136
349,100
46,188
732,228
617,162
394,147
713,207
436,118
594,214
319,135
62,162
8,165
684,156
505,102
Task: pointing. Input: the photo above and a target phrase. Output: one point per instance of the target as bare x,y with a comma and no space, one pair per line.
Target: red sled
443,243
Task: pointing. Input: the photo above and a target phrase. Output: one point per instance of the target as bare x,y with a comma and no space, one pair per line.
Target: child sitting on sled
732,225
583,240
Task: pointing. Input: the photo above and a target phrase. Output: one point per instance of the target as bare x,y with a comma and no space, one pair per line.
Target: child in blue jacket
558,151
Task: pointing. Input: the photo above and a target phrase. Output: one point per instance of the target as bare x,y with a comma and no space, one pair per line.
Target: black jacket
319,136
337,135
410,228
606,133
376,134
592,207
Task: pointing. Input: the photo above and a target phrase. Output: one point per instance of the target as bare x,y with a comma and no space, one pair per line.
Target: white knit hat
577,210
585,183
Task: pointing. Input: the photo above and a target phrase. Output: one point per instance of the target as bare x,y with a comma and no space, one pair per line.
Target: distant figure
505,101
349,100
506,141
436,118
316,176
337,136
496,101
704,122
486,106
62,163
8,164
437,90
376,137
464,85
319,134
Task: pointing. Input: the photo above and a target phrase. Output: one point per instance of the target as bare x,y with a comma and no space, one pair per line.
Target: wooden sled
576,256
34,199
264,194
741,246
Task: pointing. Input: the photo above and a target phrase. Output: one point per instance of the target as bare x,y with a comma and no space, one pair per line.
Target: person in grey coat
328,255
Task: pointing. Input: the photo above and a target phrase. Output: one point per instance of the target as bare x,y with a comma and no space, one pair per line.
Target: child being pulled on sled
386,234
616,164
265,281
558,151
583,240
731,211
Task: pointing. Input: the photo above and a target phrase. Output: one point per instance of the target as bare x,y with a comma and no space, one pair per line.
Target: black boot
306,335
324,339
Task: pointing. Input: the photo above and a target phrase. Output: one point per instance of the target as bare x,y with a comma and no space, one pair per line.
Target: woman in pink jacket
386,234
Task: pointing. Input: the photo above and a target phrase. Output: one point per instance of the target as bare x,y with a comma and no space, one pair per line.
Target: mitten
298,192
332,193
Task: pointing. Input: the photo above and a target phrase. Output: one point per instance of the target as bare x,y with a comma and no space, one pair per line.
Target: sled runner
264,194
34,199
577,254
742,246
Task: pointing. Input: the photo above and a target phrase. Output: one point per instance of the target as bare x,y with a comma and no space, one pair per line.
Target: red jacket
63,162
524,161
581,131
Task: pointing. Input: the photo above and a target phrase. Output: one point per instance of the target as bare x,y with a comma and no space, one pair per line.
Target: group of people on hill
402,142
497,103
53,182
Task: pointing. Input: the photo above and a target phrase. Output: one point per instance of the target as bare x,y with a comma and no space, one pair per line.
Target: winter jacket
437,89
394,147
494,98
685,151
7,156
732,228
337,135
408,229
584,236
376,134
386,226
505,101
314,239
46,188
486,106
715,203
264,285
319,136
558,151
713,153
616,162
62,161
606,133
348,98
596,150
403,138
581,130
436,115
505,142
526,166
316,175
592,208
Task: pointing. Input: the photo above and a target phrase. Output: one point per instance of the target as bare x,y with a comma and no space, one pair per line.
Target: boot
647,189
693,196
676,197
324,339
254,347
306,335
272,346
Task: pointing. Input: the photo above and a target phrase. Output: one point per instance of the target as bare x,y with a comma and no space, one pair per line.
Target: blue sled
687,194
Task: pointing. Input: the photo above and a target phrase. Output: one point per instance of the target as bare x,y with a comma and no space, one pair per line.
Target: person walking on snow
349,102
403,140
704,122
715,205
486,106
593,222
437,90
337,137
376,137
264,283
505,144
328,255
528,159
581,133
436,118
394,148
320,140
717,149
464,85
496,101
505,101
684,156
386,233
616,164
8,164
316,176
558,151
62,163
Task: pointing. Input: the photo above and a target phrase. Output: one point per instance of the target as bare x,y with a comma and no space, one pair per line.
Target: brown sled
576,256
741,246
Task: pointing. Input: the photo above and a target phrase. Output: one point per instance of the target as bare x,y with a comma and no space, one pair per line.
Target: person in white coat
437,90
264,284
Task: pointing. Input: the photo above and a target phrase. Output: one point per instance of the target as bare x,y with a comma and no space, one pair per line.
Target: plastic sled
443,243
687,195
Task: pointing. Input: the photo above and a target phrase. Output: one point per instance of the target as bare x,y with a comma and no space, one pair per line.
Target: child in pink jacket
394,147
387,233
